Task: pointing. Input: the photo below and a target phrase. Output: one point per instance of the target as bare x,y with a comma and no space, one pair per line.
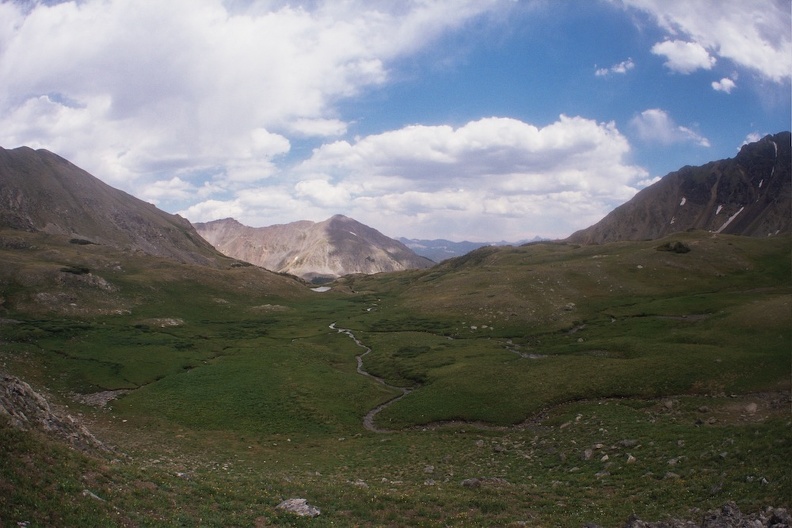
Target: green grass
519,359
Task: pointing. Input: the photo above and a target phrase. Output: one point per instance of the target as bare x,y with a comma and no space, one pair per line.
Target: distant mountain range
440,249
750,194
40,191
315,251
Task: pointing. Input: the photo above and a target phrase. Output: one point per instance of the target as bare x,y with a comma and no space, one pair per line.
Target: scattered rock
89,493
163,322
751,408
471,483
630,459
99,399
728,516
299,507
628,443
674,247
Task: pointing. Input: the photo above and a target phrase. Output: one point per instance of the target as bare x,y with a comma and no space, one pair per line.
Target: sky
481,120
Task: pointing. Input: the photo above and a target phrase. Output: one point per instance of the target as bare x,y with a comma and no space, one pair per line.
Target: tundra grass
586,462
240,398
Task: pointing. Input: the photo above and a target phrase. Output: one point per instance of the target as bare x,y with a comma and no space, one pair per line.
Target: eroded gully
368,420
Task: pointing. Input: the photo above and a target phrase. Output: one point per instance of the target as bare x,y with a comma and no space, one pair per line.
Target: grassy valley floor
551,385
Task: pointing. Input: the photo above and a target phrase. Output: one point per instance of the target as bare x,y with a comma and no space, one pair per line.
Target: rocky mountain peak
312,250
750,194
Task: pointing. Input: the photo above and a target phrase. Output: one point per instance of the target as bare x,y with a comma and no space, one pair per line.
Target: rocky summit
750,194
312,250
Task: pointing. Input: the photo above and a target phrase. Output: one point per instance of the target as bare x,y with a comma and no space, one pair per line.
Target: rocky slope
42,192
27,409
750,194
312,250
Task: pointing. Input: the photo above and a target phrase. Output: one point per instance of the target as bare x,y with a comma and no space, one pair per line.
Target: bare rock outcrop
728,516
27,409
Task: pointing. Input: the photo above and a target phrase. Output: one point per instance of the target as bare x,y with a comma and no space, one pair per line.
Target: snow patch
729,221
321,289
673,219
761,182
352,233
775,145
682,202
719,209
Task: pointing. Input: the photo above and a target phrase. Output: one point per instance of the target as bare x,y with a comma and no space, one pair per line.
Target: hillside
42,192
312,250
750,194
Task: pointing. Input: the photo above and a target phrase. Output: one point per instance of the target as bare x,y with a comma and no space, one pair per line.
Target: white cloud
621,67
655,125
753,137
724,85
318,127
684,57
213,210
754,35
493,177
467,176
127,89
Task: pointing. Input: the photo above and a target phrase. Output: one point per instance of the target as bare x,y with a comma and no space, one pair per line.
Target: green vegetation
577,384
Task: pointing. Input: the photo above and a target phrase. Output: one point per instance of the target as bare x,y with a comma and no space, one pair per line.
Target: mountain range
314,251
440,249
750,194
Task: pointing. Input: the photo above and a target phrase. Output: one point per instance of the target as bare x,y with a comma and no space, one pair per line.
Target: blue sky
462,119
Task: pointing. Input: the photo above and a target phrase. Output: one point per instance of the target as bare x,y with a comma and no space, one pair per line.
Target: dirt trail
368,420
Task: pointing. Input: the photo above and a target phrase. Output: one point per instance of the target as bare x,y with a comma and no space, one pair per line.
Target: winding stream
368,420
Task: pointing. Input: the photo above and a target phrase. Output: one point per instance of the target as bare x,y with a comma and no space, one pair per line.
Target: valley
546,385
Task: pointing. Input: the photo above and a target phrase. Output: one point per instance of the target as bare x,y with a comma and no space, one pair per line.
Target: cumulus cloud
551,180
655,125
724,85
684,57
755,35
621,67
127,89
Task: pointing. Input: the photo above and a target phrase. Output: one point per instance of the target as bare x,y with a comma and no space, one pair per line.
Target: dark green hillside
563,384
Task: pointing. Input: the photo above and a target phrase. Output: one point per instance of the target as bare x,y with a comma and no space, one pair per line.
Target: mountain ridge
315,251
43,192
750,194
